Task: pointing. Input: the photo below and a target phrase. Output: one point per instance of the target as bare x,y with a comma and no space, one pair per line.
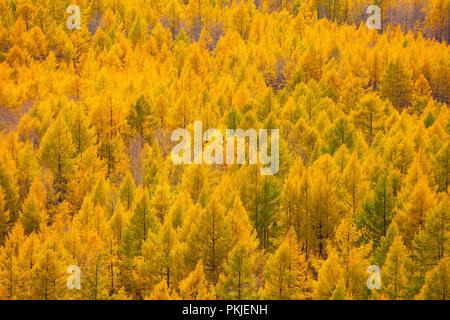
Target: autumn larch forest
86,177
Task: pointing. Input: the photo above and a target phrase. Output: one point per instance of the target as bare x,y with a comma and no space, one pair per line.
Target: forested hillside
87,180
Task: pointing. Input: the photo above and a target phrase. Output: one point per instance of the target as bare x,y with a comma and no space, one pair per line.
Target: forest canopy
86,177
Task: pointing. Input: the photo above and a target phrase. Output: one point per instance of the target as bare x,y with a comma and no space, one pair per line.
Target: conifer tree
378,209
127,191
210,238
394,276
354,184
432,243
441,168
195,286
141,222
139,117
437,282
10,280
10,190
161,292
354,258
32,214
56,152
237,280
329,279
4,217
285,272
416,210
48,274
396,84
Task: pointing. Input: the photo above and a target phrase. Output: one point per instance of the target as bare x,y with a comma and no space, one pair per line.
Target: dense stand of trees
86,176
